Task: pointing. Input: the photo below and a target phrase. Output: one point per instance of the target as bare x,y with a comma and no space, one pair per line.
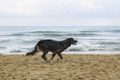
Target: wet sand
73,67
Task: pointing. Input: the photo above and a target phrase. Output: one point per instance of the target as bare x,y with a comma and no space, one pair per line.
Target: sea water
91,39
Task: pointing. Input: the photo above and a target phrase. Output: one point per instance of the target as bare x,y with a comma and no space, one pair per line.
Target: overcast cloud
59,12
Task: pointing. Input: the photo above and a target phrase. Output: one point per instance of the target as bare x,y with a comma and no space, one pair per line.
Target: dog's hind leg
44,55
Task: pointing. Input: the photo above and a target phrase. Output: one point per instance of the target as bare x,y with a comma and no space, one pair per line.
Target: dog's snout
75,41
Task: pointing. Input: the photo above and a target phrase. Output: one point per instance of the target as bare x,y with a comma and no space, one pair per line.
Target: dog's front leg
53,55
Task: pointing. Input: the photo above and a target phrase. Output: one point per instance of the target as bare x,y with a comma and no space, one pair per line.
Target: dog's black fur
56,47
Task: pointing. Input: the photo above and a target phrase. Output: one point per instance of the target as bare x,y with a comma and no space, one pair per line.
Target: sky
59,12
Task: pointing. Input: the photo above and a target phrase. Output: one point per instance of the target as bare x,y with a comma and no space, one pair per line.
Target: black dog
56,47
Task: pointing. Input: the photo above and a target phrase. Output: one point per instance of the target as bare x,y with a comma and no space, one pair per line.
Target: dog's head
72,41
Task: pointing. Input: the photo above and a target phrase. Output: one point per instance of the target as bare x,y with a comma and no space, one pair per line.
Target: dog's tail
36,49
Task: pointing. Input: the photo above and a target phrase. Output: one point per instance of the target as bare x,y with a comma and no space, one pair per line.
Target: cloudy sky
59,12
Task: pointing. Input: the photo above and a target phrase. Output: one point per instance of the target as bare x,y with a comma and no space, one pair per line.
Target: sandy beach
73,67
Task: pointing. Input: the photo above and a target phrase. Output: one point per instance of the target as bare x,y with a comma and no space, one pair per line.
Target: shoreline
75,52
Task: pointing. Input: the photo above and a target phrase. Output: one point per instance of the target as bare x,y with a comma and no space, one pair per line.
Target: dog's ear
68,40
71,41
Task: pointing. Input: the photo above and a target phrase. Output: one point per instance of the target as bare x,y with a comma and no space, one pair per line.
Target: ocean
91,39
